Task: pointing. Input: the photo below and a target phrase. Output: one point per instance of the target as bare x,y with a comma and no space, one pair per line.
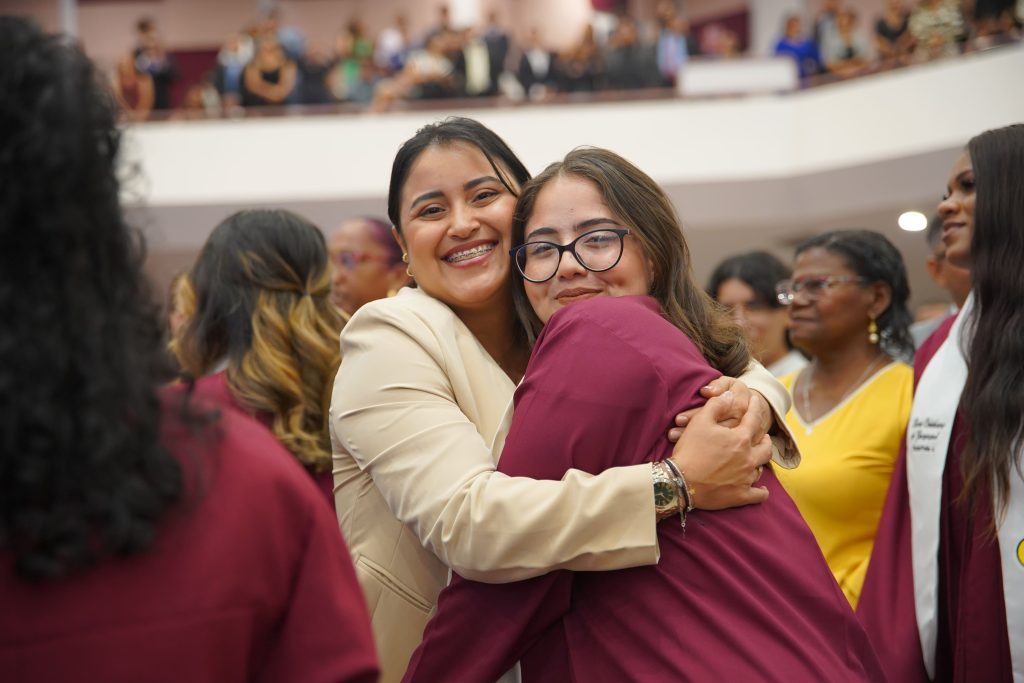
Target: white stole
928,434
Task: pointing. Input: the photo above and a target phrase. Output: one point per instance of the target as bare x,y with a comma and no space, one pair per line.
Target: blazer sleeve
395,412
763,382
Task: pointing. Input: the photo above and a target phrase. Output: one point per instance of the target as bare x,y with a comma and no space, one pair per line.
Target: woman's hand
721,464
744,400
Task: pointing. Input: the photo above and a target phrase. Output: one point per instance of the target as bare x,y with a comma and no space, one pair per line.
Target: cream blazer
418,415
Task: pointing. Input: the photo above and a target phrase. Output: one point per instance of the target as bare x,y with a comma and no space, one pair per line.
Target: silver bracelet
684,490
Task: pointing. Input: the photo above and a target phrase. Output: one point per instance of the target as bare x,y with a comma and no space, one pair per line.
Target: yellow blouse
848,458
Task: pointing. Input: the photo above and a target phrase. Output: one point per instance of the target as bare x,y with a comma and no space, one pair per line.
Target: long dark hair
453,130
873,257
82,470
637,200
993,398
261,287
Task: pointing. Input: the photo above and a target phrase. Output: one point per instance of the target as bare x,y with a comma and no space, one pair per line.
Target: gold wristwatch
666,494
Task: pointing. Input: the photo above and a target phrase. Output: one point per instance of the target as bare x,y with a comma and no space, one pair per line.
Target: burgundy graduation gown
972,643
249,580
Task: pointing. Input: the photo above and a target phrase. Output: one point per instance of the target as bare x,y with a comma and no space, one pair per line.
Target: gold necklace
805,389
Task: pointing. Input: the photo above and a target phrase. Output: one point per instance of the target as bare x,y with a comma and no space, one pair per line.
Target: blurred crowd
271,63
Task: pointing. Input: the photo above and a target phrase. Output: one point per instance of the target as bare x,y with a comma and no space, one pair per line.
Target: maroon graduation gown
215,388
248,580
972,644
744,594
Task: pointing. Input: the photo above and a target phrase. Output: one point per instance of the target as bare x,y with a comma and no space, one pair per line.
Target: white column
68,10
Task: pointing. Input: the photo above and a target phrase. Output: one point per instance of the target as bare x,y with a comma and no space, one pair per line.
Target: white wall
878,118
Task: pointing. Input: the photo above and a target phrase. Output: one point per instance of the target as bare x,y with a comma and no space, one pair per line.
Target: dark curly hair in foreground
82,471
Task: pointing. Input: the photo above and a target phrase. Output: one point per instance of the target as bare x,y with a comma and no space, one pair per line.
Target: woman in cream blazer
418,418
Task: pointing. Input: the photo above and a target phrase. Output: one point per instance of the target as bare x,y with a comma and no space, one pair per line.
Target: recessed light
913,221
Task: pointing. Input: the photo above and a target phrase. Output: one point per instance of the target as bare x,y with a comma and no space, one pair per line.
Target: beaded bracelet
685,493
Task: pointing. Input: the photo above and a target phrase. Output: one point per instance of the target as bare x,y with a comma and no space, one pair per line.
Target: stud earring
873,331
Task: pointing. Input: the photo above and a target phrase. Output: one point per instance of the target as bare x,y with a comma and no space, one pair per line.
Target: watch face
664,494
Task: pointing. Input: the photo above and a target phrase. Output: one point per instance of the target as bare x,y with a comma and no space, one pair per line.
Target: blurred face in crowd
957,212
456,220
362,269
566,208
793,28
839,313
764,324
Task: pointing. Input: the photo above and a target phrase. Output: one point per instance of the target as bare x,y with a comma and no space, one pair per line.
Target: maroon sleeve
585,398
325,634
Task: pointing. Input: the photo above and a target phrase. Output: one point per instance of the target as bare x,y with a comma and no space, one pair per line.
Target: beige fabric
418,418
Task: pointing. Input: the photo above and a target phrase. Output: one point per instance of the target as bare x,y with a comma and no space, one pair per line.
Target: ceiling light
913,221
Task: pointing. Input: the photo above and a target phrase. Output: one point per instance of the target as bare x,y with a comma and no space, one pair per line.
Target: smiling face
456,219
957,212
565,208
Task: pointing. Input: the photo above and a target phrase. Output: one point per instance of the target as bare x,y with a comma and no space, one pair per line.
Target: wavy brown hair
261,287
638,201
993,398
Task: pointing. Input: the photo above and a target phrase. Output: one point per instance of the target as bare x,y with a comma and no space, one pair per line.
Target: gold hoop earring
873,332
405,259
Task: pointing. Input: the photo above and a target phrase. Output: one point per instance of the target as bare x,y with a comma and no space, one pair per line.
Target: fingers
674,434
757,495
717,387
750,424
762,451
717,408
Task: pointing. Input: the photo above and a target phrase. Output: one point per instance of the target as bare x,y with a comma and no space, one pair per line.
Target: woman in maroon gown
263,335
143,537
944,595
740,594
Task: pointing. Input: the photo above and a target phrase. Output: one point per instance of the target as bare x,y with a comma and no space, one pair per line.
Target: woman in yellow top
848,311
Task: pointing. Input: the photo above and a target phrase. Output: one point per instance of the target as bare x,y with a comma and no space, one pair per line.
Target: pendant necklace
805,390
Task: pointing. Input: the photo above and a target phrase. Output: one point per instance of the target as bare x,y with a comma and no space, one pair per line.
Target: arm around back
416,405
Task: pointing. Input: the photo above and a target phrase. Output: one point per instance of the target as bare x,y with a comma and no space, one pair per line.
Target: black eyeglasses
813,287
597,251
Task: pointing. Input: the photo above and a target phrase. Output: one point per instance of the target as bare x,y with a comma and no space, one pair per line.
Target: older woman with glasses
366,263
623,338
848,312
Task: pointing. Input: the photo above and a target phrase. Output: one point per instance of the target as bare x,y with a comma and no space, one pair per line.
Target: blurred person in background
270,77
392,46
537,68
745,285
799,47
315,67
848,312
145,534
232,59
151,58
263,336
955,280
630,62
937,27
844,51
366,263
133,88
892,35
943,596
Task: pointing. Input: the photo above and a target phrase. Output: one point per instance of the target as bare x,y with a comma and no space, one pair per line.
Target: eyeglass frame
359,257
786,290
571,248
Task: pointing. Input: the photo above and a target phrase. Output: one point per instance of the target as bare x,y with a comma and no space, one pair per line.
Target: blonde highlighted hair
261,287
